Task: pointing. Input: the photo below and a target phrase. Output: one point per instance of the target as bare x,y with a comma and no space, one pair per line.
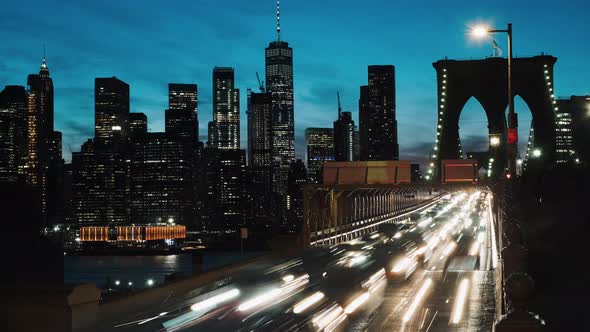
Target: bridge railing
338,213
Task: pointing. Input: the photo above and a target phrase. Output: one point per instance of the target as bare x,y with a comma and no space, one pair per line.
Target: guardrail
514,287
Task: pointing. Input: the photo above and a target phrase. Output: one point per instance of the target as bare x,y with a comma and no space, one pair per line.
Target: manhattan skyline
149,52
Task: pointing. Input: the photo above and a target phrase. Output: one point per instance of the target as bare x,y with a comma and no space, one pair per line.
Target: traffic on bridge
430,271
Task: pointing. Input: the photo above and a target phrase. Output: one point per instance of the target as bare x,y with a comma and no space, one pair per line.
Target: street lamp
494,140
479,32
537,153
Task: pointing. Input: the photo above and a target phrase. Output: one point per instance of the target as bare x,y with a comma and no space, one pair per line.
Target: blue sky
151,43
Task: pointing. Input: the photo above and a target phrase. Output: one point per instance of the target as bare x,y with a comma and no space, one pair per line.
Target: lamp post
481,32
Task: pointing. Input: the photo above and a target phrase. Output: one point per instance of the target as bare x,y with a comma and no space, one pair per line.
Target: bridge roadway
343,288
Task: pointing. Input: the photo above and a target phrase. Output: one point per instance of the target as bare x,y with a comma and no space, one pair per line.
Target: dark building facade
344,137
296,180
222,190
161,180
564,141
99,186
137,125
224,130
182,112
111,111
416,172
13,132
377,115
260,163
320,148
578,108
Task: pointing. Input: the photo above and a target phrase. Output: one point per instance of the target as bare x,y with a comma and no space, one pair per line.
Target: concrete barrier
59,308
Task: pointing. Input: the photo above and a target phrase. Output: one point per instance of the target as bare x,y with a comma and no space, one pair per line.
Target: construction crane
339,105
260,83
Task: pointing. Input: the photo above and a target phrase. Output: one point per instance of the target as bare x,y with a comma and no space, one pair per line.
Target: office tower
320,148
40,133
13,132
356,149
223,188
260,164
378,125
160,180
99,186
343,135
55,179
182,112
111,111
259,129
224,130
416,173
296,179
572,124
564,142
279,83
137,125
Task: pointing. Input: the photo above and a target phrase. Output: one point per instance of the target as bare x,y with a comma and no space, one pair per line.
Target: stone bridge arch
486,81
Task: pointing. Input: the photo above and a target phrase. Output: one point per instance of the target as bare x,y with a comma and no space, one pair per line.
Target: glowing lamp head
479,32
537,153
494,141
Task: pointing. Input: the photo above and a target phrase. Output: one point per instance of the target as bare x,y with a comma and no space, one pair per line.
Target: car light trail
450,248
376,277
474,249
308,302
357,302
329,318
215,300
459,302
402,265
417,300
260,299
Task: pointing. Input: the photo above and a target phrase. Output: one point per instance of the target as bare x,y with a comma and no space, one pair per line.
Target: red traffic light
512,135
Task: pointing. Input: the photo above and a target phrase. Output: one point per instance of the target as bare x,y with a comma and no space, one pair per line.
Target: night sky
151,43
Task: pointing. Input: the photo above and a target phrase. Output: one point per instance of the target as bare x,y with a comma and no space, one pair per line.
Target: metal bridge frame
339,213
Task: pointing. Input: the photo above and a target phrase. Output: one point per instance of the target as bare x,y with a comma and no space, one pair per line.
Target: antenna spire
44,64
279,20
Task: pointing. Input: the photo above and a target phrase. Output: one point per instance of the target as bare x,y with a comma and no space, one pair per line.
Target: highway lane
435,311
325,298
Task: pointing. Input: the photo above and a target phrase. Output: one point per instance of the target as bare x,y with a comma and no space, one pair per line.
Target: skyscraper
320,148
224,130
182,112
99,186
223,188
343,136
378,124
260,165
111,111
161,186
564,142
296,179
137,125
40,136
13,132
279,83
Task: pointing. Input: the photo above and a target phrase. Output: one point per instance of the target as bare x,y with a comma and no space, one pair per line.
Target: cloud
474,143
78,129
